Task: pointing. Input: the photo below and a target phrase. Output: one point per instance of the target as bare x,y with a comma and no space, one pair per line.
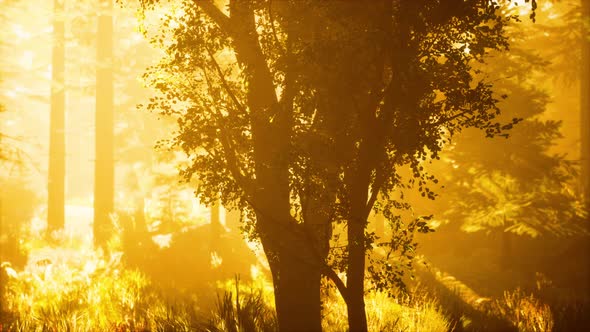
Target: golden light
26,60
20,32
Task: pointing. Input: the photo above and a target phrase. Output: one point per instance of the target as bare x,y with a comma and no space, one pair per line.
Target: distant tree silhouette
57,145
104,174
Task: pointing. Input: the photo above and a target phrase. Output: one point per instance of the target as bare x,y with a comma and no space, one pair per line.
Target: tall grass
413,312
96,296
525,312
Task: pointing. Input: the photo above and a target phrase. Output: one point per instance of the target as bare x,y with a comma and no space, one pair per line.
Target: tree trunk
104,181
215,227
585,106
357,316
57,145
297,294
585,112
357,221
296,270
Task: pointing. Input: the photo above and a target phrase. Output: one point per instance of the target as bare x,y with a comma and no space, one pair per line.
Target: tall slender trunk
357,316
215,226
57,145
355,282
104,180
585,112
585,105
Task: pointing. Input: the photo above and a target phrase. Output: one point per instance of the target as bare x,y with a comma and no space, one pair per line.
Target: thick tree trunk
295,270
104,175
57,145
295,267
297,294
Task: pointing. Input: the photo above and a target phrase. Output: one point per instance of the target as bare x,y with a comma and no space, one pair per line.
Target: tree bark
104,180
297,294
585,105
355,282
357,316
585,111
57,145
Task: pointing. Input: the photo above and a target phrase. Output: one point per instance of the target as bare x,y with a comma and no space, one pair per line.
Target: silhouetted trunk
355,282
297,293
357,317
57,144
104,181
296,278
585,113
295,270
585,106
216,226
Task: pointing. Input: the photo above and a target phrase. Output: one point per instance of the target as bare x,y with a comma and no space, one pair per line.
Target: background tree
515,185
57,148
585,104
104,177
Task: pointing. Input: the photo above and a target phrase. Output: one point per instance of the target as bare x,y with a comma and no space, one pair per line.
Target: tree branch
222,20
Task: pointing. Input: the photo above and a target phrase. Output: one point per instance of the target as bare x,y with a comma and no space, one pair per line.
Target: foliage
516,185
318,104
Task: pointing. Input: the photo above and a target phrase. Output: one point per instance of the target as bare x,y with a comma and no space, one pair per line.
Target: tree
585,104
104,178
57,153
302,112
515,185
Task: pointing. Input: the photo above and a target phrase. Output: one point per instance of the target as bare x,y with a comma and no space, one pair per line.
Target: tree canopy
302,113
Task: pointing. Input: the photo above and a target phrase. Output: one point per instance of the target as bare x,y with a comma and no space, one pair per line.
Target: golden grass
411,313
